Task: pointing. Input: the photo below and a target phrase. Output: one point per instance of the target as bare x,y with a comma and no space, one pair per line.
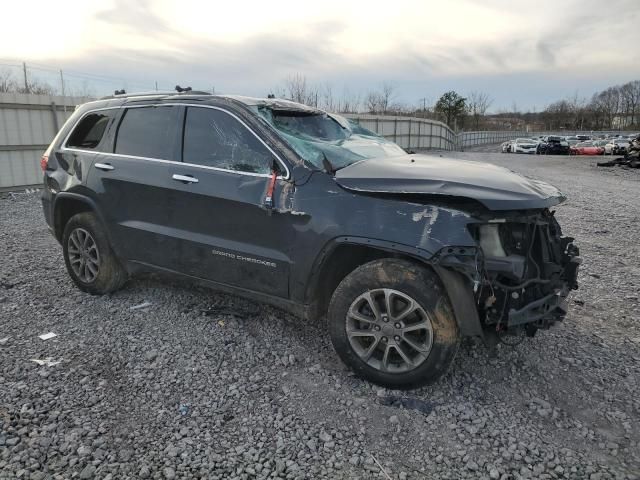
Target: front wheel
90,261
392,323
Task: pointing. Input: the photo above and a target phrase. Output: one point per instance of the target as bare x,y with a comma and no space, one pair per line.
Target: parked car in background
601,143
583,138
572,141
586,148
553,145
617,146
524,145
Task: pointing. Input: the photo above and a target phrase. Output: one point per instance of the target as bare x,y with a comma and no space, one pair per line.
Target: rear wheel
90,261
392,323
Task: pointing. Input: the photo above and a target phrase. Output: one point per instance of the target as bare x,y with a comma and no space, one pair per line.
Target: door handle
104,166
185,178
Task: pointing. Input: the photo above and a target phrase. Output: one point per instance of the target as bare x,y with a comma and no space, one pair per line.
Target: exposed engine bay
521,273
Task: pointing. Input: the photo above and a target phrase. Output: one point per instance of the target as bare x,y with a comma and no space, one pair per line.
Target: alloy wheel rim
83,254
389,330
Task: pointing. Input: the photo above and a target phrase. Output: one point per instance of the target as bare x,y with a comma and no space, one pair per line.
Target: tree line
450,108
10,84
617,107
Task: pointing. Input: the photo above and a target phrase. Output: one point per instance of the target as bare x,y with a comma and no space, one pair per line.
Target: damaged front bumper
521,272
550,308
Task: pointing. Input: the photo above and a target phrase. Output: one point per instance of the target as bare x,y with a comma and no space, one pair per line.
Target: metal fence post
430,134
55,116
395,130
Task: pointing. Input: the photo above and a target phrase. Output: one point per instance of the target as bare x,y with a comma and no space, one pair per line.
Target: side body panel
328,215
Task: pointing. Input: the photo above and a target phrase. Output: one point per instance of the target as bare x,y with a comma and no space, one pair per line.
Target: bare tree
373,102
609,103
630,99
7,82
380,101
296,86
313,96
350,102
478,103
577,107
386,96
37,87
327,98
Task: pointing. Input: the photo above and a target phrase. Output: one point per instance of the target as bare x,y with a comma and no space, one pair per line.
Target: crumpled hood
497,188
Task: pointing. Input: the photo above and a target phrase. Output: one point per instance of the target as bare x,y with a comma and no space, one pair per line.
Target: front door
217,205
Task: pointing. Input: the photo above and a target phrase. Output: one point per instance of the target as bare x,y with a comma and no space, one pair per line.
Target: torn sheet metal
497,188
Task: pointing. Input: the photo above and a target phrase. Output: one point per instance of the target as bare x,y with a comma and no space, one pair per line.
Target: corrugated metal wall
28,123
409,132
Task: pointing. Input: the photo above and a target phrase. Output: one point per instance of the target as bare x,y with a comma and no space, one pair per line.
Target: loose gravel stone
88,472
206,385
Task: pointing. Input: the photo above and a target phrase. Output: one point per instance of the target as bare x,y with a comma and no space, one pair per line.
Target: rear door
133,182
217,208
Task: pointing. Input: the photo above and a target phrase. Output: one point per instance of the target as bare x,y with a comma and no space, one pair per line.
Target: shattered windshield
316,135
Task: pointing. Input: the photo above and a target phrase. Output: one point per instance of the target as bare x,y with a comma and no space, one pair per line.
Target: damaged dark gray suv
403,254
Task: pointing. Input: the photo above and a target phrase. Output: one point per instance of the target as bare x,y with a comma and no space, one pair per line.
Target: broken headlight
501,239
490,241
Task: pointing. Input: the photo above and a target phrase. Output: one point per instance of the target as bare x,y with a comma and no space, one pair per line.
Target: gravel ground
199,384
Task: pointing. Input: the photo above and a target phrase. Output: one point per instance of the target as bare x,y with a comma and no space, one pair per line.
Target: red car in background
586,148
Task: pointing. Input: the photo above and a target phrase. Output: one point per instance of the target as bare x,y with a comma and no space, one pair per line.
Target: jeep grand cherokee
403,254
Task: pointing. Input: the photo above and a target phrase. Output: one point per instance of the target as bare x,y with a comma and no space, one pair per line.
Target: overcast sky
530,53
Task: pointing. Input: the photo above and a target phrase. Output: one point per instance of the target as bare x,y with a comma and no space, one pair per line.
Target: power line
63,77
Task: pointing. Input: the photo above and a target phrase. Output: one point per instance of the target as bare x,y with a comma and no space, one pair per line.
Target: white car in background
616,146
506,146
524,145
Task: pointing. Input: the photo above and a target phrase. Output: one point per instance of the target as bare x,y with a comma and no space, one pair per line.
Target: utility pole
424,106
156,85
64,102
26,83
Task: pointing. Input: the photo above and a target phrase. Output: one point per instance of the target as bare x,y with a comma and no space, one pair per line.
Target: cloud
545,53
422,49
135,17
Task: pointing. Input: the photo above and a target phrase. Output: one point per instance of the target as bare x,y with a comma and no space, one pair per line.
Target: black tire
423,286
110,275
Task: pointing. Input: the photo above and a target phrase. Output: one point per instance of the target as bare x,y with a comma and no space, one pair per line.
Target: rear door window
89,132
148,132
214,138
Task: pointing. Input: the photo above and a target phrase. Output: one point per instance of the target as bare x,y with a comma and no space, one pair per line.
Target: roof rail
153,93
